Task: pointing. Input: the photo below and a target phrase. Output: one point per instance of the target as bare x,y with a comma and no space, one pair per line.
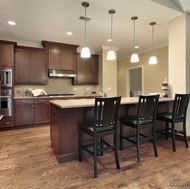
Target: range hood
61,73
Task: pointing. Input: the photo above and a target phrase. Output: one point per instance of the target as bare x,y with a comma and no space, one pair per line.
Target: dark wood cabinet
41,111
61,56
30,66
31,111
6,122
6,54
87,70
23,112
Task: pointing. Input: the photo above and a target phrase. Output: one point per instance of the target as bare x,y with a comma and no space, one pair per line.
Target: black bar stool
177,115
145,118
104,123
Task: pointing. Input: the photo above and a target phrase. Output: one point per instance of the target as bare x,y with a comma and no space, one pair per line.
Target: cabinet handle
23,101
42,100
7,123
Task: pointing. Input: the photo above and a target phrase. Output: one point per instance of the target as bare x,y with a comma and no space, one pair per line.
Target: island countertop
76,103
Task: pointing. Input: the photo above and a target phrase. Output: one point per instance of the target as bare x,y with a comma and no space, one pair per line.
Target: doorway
135,80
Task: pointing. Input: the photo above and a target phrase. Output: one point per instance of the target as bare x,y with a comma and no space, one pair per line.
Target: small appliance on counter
38,92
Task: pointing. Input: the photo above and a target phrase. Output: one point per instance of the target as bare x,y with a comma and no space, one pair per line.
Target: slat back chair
144,118
104,123
177,115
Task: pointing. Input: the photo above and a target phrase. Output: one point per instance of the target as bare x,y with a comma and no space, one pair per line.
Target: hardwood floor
27,162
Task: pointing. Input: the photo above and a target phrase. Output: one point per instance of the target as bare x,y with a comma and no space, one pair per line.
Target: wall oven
6,102
6,77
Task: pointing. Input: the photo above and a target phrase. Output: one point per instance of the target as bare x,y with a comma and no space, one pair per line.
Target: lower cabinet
7,122
31,111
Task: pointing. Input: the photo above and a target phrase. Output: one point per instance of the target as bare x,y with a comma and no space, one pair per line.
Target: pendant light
111,54
134,56
85,53
153,59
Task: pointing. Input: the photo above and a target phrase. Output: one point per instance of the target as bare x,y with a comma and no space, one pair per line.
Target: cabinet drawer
42,100
23,101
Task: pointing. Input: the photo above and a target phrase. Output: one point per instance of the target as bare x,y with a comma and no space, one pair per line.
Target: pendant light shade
153,59
134,56
85,53
111,54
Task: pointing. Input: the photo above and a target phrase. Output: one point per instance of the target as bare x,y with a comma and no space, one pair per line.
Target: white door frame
128,78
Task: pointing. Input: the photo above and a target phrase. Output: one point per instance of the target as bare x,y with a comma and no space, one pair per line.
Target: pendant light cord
111,28
134,37
152,24
85,26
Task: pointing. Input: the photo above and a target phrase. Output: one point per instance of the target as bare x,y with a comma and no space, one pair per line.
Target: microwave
6,77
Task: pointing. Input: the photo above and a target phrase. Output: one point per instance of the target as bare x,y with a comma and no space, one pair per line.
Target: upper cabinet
30,65
6,54
87,70
61,56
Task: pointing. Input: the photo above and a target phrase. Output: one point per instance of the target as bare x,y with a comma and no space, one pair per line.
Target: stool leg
95,156
121,135
154,142
116,151
166,131
173,137
185,134
138,144
80,145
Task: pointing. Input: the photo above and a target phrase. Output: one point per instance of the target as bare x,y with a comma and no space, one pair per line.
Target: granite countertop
54,97
76,103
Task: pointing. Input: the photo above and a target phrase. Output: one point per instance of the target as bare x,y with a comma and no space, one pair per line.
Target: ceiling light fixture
111,54
69,33
134,56
12,23
85,53
153,59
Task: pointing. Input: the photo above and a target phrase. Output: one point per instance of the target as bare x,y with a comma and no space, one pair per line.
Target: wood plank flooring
27,162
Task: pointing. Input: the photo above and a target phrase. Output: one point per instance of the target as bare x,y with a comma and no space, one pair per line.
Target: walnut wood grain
27,161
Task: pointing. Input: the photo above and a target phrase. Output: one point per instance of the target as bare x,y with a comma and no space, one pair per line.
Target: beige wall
153,74
107,74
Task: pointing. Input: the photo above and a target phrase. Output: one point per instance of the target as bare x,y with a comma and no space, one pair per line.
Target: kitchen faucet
102,94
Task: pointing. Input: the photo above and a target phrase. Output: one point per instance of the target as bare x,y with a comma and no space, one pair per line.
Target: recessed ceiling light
109,40
136,47
69,33
11,23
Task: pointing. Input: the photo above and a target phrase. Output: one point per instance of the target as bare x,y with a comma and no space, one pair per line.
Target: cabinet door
6,55
22,66
38,67
41,111
55,57
87,70
81,70
23,112
68,59
92,70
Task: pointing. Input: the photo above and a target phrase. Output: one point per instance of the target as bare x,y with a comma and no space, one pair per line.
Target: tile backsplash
56,85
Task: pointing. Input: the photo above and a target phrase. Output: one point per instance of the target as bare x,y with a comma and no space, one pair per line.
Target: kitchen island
66,115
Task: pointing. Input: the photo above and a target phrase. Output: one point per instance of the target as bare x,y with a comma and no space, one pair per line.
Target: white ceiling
38,20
